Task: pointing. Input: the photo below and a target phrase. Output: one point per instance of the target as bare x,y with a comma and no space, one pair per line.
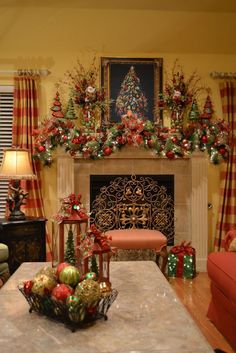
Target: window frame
6,120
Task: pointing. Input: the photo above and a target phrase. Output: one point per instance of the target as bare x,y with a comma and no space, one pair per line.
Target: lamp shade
16,164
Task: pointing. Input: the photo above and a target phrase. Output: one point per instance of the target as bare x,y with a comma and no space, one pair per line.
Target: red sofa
221,268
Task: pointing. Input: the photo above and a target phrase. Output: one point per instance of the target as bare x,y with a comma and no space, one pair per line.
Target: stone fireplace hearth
190,175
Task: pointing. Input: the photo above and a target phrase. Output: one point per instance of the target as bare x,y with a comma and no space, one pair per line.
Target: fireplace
190,187
133,201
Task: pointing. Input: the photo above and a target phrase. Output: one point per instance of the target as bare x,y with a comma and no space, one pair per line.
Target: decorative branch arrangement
191,130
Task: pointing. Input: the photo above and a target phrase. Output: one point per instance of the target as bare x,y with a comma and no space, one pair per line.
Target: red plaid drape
227,210
25,120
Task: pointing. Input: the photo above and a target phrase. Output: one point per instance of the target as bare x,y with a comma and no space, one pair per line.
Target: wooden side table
26,240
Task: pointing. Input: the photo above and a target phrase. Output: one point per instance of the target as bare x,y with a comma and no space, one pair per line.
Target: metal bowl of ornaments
63,294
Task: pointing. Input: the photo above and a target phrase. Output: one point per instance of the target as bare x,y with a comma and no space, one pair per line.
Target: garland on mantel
164,142
92,140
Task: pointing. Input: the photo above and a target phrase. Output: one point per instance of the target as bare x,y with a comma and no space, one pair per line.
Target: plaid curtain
227,210
25,120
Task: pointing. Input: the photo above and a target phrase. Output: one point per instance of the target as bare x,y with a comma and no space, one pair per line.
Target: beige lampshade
16,164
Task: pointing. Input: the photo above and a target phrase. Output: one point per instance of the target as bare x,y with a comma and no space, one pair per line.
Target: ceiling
228,6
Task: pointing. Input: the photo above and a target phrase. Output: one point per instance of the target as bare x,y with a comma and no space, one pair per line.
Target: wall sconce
15,167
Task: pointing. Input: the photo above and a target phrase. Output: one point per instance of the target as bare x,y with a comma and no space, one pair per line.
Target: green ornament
77,313
70,275
91,275
72,301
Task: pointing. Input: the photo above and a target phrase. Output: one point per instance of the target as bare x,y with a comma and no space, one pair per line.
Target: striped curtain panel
25,120
227,210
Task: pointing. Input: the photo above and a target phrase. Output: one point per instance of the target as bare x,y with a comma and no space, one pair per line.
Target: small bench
141,239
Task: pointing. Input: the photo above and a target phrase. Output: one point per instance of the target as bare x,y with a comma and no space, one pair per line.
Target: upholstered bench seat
140,239
137,239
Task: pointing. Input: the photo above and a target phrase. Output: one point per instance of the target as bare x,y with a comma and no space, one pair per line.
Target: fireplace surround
190,187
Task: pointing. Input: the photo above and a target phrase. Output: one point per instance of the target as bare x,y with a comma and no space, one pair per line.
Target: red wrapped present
182,261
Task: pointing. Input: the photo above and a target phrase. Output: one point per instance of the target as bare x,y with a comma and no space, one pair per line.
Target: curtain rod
223,75
33,72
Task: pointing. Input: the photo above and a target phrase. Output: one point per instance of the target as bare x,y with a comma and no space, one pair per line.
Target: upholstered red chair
221,267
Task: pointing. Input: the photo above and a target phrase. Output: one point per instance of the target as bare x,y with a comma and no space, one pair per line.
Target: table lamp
15,167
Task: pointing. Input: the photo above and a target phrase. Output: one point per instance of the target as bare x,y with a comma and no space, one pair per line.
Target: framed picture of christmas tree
132,85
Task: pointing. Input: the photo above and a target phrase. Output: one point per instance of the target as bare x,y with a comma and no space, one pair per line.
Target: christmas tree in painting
131,96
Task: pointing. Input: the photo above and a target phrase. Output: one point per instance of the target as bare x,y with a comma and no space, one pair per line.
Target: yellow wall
55,37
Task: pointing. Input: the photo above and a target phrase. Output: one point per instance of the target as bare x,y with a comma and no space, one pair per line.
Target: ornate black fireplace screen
134,201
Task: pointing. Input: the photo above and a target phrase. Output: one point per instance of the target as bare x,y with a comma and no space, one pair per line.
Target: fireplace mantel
73,175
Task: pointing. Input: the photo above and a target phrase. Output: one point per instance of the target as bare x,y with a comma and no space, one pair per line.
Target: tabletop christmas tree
56,108
131,96
70,248
194,112
208,109
70,113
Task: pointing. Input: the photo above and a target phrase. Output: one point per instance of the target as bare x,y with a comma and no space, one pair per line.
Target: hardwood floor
195,295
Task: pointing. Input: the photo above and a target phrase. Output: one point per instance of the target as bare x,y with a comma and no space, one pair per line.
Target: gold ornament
105,289
47,270
43,284
88,292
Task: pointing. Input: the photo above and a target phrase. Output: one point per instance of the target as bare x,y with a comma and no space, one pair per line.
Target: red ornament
130,140
139,139
121,140
170,154
174,139
28,286
65,138
41,148
222,151
61,292
151,143
107,151
204,139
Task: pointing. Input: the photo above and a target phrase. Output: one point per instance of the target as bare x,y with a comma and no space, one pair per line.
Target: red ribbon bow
183,249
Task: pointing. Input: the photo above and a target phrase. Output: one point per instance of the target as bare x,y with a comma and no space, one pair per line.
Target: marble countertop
147,317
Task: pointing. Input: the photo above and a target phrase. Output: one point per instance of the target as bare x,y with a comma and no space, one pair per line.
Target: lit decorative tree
131,96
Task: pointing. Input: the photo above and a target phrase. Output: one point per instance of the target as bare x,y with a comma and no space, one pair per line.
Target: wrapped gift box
182,261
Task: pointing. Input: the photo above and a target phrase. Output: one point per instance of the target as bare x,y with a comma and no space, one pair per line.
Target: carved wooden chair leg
164,255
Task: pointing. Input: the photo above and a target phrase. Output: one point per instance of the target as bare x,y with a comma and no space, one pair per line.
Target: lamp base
15,200
16,215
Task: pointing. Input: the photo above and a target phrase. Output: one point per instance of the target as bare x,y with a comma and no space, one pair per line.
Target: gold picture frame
149,72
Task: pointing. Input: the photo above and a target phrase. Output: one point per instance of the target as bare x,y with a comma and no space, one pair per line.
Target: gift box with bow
182,261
